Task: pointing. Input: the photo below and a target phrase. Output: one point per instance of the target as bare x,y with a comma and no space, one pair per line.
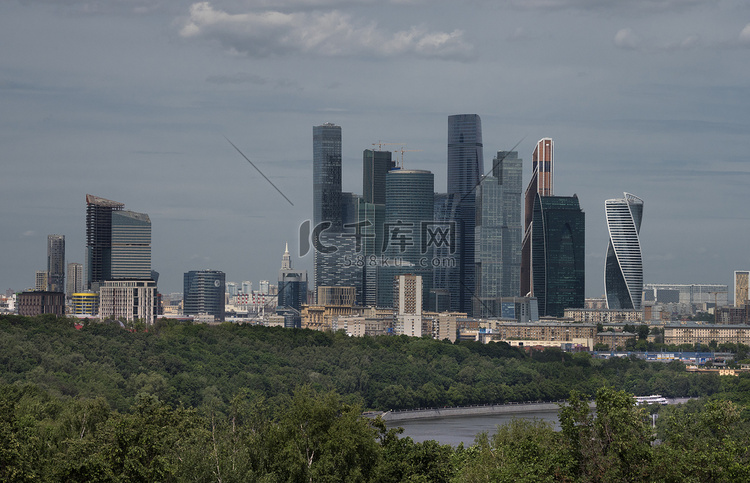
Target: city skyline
142,119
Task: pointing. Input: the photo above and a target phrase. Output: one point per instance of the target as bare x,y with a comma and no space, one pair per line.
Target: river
462,429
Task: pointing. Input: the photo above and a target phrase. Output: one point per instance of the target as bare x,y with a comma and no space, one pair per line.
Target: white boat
653,399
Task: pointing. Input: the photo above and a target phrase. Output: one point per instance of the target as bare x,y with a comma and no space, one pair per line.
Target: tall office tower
498,235
131,246
264,287
446,282
541,184
99,239
558,248
741,288
327,175
623,267
292,284
231,288
375,165
203,293
56,263
75,279
247,287
409,208
465,168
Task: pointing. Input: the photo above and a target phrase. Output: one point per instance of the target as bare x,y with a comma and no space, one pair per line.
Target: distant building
498,235
41,281
75,279
741,288
264,287
40,302
131,300
692,294
597,316
203,293
558,254
408,294
292,284
465,169
542,169
85,303
623,268
704,334
55,263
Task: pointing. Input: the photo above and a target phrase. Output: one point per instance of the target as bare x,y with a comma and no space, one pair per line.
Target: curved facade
623,268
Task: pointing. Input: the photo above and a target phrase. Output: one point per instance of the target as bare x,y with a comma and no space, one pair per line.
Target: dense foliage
315,437
198,366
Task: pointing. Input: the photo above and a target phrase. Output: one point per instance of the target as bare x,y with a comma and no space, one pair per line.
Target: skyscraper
465,167
75,279
409,208
327,175
623,267
542,164
56,263
375,166
498,235
99,239
203,293
292,284
558,240
118,243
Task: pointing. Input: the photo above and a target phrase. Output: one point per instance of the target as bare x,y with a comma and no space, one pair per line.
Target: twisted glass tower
623,268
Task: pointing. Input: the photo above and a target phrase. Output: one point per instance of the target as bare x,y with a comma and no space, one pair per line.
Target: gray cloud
324,33
627,39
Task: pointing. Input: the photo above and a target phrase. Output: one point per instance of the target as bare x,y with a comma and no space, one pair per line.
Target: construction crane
380,144
402,151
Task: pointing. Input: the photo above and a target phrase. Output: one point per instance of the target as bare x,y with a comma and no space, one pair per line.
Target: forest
186,402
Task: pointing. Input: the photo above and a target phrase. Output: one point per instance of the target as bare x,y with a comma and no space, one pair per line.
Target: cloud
328,34
627,39
745,35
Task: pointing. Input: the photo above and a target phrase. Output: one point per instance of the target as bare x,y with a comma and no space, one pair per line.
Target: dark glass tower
558,249
327,175
55,263
204,293
375,165
131,246
99,239
623,269
465,168
408,208
498,235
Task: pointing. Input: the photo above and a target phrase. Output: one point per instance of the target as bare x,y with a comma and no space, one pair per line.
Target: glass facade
623,267
327,175
55,263
375,165
99,239
131,246
498,235
465,168
203,293
557,254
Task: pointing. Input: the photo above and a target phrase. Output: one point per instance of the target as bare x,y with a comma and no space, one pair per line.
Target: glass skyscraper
131,246
498,235
558,251
623,268
465,168
327,175
99,239
203,293
56,263
409,208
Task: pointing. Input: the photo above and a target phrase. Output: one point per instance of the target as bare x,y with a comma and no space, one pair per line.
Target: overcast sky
130,100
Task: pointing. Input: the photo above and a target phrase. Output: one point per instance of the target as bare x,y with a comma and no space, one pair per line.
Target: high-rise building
465,167
446,282
247,287
375,165
55,263
131,246
558,249
75,279
409,208
327,175
40,281
741,288
623,267
498,235
292,284
407,297
203,293
540,184
99,239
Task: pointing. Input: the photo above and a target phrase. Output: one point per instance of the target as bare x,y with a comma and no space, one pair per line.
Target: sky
134,101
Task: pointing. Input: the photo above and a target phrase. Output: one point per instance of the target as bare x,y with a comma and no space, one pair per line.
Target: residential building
623,266
689,294
498,235
75,279
41,281
55,263
704,334
558,254
741,287
131,300
603,316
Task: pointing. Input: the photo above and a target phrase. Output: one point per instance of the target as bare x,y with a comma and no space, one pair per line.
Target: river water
462,429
